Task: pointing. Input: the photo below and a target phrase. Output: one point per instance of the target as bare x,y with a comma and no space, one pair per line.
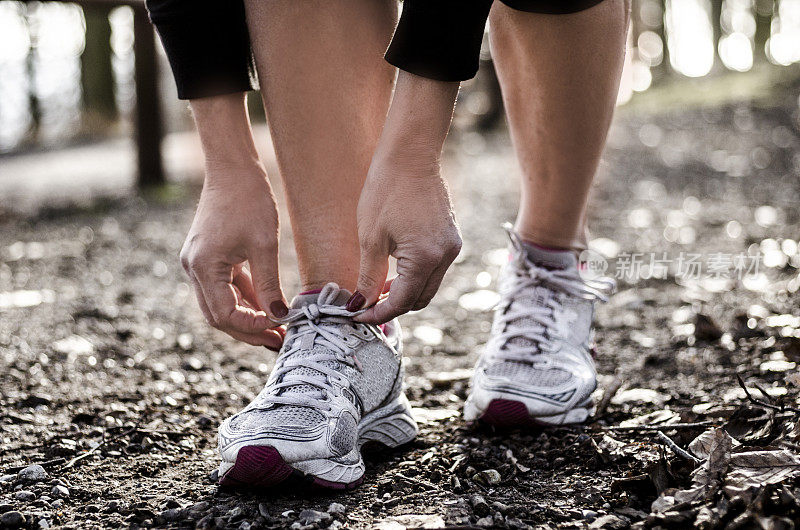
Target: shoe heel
392,425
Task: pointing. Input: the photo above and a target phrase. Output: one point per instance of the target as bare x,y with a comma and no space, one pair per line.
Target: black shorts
551,7
441,39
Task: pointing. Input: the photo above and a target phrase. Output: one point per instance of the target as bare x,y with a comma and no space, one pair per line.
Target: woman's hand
236,223
404,210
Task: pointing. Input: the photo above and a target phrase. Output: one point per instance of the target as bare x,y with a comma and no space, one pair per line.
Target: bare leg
559,75
326,88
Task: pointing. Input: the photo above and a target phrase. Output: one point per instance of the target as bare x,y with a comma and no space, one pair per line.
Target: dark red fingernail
278,309
356,301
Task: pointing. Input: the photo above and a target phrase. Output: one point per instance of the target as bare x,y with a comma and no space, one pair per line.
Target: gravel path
112,386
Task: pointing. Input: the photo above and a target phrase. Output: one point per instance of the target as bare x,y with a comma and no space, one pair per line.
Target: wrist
418,120
225,133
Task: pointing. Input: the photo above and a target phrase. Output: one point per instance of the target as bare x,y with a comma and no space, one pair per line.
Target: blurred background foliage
67,71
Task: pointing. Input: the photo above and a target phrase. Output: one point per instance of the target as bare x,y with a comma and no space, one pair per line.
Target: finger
434,281
405,291
372,273
227,314
387,286
263,262
243,280
271,339
201,299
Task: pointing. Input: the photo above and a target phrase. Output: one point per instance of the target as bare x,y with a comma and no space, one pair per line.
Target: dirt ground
114,384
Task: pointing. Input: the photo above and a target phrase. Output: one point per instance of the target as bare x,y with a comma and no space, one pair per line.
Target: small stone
516,524
489,477
13,519
479,505
307,517
589,514
172,515
500,507
235,513
246,525
7,478
214,476
58,503
206,523
111,506
25,496
59,491
5,508
610,522
171,502
263,511
335,507
486,522
32,473
43,524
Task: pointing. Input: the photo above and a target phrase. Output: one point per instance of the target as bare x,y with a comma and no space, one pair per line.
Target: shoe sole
263,465
510,413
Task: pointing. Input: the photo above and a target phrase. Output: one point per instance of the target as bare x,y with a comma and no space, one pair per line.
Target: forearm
225,134
418,120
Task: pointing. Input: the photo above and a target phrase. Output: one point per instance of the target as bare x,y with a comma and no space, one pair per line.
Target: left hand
404,211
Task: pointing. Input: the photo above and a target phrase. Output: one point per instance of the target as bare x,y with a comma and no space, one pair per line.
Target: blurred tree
764,11
97,75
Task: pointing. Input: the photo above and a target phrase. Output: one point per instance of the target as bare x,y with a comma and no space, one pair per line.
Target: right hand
236,223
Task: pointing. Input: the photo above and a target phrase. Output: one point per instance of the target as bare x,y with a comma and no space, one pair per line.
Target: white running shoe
336,385
537,367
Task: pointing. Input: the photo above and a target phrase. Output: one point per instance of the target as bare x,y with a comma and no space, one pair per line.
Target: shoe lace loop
538,324
312,324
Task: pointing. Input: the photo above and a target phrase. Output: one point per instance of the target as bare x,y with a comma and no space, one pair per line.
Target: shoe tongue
550,258
538,296
331,294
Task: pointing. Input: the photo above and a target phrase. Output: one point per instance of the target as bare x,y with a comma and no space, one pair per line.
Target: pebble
60,491
43,523
486,522
479,505
588,514
171,515
500,507
236,512
13,519
610,522
7,478
263,510
206,522
488,476
25,496
307,517
32,473
58,503
335,507
513,522
198,509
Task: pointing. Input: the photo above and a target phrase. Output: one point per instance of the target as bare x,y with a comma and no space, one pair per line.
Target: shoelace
540,321
314,320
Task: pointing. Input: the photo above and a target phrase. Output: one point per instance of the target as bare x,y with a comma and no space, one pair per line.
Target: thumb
371,278
267,283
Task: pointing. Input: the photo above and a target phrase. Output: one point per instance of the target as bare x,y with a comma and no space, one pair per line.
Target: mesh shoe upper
328,366
542,325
